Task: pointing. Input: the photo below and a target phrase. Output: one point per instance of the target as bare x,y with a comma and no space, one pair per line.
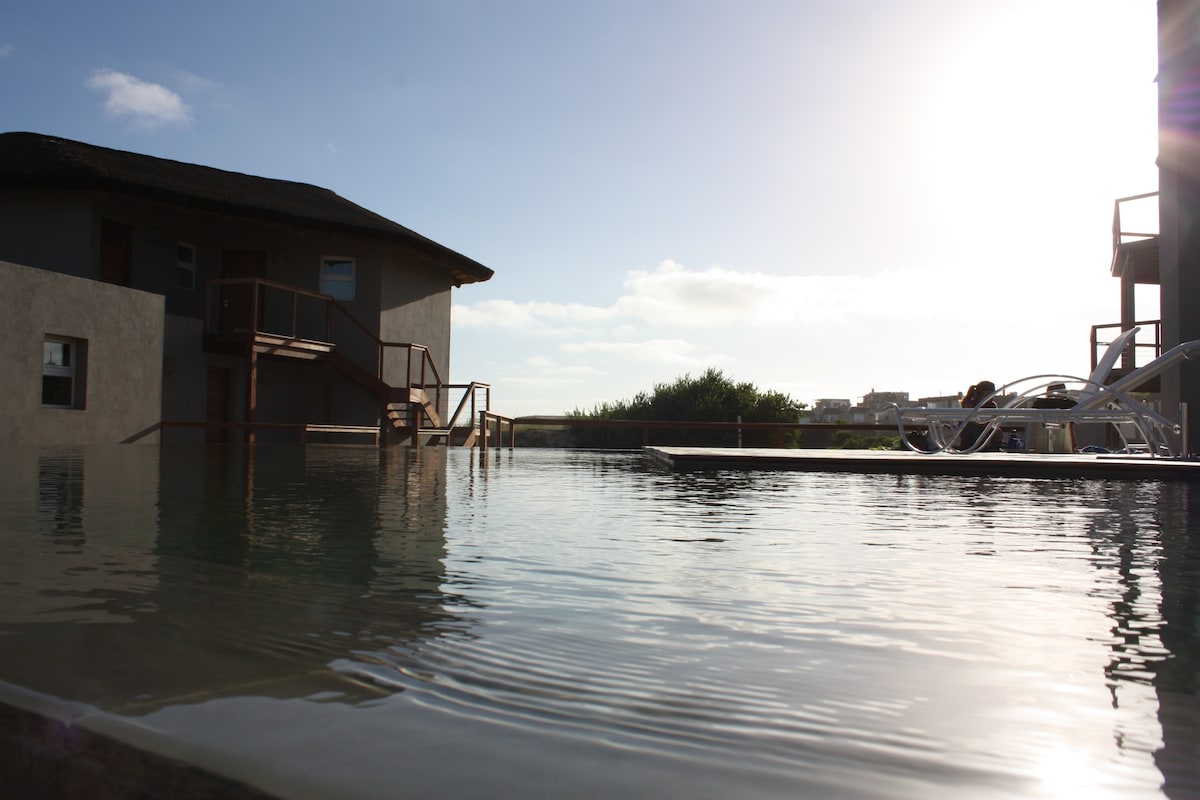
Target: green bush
711,397
845,440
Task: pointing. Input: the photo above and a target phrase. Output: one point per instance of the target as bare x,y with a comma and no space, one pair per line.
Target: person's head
977,393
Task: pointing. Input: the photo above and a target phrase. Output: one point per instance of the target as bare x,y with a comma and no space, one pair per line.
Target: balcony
1135,260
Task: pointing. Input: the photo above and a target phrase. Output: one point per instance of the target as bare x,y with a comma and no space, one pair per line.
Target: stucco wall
123,329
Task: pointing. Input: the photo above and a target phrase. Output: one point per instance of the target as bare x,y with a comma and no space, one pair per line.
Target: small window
337,277
63,372
185,266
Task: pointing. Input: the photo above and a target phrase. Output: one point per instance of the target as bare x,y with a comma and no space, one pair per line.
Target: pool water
342,622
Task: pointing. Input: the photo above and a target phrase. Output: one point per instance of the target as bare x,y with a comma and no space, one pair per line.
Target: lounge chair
1141,428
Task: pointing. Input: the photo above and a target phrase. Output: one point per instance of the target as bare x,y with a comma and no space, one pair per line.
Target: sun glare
1046,104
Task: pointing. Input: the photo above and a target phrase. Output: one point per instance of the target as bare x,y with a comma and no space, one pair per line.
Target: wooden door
116,252
237,302
216,403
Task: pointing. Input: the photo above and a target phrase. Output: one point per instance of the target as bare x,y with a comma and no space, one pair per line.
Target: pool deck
1025,465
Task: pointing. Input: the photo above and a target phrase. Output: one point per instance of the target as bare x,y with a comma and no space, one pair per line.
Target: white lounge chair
1094,402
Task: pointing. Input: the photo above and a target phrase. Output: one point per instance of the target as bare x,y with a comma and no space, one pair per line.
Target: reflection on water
584,621
202,571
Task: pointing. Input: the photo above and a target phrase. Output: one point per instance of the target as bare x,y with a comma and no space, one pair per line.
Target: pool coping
1026,465
54,748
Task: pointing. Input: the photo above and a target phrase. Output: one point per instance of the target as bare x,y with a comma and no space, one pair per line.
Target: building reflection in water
1177,676
158,576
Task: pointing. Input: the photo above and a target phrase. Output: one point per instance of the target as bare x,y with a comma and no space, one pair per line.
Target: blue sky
822,198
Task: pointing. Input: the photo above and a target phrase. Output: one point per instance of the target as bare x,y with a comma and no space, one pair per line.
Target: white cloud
672,296
145,105
530,317
678,352
542,362
196,83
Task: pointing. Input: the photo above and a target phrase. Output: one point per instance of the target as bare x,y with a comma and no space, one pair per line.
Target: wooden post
1128,315
327,372
251,390
483,432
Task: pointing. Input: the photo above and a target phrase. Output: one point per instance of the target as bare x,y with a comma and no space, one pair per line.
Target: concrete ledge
55,750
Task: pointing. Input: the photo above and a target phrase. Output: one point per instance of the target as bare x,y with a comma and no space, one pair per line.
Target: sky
820,198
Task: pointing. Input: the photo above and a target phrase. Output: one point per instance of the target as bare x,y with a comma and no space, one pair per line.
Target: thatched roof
31,159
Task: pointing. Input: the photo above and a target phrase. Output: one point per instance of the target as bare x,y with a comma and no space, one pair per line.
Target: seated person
979,393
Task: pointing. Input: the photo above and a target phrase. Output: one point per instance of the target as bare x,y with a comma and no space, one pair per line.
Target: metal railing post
1184,450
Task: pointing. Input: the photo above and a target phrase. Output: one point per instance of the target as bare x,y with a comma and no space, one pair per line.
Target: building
1169,257
150,300
941,401
878,400
833,410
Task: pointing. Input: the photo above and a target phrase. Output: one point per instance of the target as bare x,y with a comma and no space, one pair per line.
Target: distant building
876,400
834,410
941,401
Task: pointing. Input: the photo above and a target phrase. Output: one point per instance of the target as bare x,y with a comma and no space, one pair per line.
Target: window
116,252
185,266
337,277
63,372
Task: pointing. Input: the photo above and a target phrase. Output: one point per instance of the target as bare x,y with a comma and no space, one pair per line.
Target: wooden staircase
410,411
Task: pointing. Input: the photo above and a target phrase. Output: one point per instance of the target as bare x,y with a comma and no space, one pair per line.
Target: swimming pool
349,622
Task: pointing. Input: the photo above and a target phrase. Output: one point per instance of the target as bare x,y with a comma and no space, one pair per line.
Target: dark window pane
56,390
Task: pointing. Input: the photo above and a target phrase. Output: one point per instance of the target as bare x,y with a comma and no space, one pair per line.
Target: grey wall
47,230
415,303
124,332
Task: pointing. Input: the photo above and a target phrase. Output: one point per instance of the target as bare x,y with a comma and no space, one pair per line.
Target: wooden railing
486,418
1120,235
241,307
